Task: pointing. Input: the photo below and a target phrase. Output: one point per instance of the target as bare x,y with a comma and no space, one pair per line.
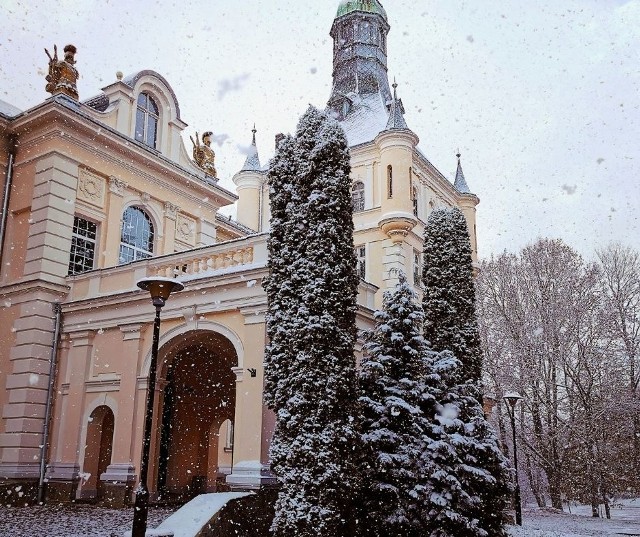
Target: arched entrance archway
199,396
98,451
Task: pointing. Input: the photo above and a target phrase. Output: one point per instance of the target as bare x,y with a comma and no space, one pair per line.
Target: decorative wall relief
186,229
91,187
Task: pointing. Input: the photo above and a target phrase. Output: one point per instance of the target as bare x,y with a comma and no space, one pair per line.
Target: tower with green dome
359,35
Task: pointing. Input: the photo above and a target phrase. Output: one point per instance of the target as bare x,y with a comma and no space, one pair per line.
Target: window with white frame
147,114
357,196
417,268
136,240
83,245
361,257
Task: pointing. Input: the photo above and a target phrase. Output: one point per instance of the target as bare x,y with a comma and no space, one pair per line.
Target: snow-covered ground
625,520
87,521
71,520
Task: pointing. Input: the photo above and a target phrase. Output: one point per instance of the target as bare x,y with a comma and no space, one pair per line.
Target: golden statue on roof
62,75
203,155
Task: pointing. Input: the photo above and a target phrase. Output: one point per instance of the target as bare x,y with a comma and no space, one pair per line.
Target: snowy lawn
88,521
625,520
71,520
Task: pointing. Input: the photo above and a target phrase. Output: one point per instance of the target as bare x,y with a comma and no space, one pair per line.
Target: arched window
414,200
389,181
136,240
147,120
357,196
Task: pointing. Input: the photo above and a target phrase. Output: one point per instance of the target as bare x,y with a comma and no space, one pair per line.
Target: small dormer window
147,120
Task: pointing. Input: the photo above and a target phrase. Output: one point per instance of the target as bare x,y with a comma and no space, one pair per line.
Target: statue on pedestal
203,155
62,75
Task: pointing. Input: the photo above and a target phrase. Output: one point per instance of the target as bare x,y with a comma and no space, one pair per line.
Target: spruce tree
392,421
310,366
449,291
468,483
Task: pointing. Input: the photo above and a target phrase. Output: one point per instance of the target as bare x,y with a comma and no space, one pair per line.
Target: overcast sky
541,97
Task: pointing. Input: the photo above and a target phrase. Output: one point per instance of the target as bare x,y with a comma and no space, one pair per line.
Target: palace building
99,193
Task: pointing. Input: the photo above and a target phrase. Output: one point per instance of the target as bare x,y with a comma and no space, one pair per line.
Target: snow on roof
366,120
253,160
8,110
460,182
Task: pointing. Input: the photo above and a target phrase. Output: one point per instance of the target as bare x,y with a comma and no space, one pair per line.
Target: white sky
541,97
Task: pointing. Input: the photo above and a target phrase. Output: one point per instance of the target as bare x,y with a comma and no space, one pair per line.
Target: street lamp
512,399
160,289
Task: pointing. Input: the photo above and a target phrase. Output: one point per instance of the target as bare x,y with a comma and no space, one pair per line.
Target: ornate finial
394,86
253,141
119,75
458,154
62,75
203,155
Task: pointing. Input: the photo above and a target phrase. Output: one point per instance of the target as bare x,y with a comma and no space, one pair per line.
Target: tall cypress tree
310,366
392,420
449,295
474,479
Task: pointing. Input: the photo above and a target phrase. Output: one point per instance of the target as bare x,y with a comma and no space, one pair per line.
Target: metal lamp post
160,289
512,399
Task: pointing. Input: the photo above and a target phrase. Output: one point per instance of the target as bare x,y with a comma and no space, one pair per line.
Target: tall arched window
414,200
147,120
389,181
136,240
357,196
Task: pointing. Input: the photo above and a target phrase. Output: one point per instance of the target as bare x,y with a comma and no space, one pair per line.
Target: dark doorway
199,396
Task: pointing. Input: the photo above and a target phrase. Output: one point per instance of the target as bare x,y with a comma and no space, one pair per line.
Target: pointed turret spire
460,184
396,119
253,160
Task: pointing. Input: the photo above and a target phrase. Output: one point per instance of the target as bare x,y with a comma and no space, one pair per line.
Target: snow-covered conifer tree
449,296
472,485
392,421
468,478
310,366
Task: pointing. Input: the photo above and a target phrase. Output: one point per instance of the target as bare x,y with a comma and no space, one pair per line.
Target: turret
250,182
359,35
397,144
467,202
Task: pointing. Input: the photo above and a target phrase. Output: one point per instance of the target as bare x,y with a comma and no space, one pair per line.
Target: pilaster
52,210
250,470
29,361
114,216
170,217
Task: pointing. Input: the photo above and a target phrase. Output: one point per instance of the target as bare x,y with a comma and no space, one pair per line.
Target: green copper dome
369,6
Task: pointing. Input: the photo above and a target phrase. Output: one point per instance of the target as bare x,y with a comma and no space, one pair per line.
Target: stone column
62,474
121,474
249,469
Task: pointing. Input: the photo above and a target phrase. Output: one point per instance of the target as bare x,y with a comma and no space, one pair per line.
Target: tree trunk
555,490
534,482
